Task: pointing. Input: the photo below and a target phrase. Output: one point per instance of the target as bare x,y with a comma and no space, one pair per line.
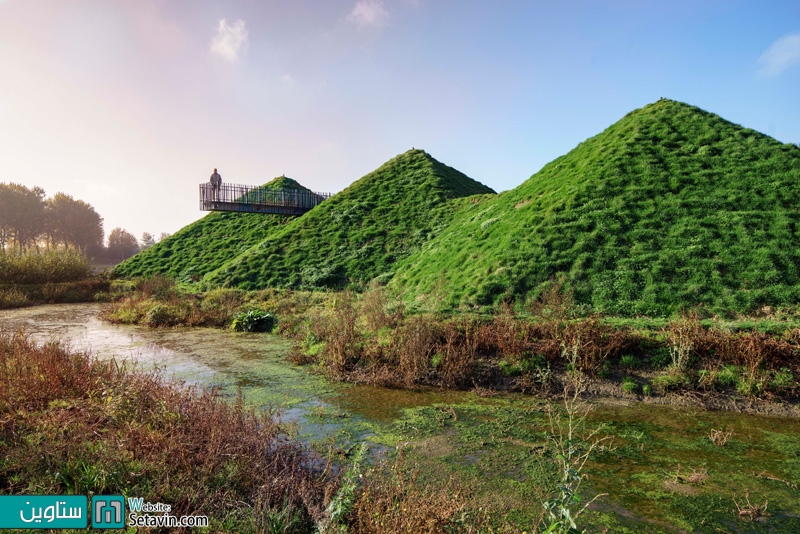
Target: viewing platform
258,199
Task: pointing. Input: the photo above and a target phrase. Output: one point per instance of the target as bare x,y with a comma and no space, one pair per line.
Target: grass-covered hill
671,206
358,234
206,244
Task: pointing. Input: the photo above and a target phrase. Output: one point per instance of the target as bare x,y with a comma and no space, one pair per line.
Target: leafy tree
122,244
21,214
73,223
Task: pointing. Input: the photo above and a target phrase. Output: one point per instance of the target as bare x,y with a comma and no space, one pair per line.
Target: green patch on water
660,468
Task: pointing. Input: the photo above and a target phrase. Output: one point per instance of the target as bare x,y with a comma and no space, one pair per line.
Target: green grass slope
208,243
672,206
358,234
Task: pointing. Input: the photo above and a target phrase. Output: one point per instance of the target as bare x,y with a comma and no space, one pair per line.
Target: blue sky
129,104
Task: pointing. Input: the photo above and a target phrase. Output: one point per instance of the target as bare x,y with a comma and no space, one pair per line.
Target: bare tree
147,241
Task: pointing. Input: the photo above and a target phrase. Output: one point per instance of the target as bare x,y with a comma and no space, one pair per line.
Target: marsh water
254,364
664,474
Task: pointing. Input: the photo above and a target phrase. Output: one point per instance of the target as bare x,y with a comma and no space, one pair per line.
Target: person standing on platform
216,184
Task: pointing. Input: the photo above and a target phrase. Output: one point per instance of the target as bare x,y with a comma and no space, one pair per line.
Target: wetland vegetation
626,273
664,467
372,338
50,276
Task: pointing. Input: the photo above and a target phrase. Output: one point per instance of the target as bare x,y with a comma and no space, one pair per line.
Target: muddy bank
611,394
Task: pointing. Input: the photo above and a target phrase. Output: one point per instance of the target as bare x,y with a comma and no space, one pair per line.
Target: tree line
31,221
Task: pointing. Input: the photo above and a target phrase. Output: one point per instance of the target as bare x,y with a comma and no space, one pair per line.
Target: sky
130,104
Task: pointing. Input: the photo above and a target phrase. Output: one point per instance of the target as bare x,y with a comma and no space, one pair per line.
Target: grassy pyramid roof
358,234
672,206
205,245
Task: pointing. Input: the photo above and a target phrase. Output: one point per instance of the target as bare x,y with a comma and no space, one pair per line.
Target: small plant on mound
783,380
629,361
681,334
629,385
728,375
254,321
660,358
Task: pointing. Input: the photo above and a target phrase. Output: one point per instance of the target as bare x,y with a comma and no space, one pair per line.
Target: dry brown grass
393,500
720,437
751,511
755,352
72,424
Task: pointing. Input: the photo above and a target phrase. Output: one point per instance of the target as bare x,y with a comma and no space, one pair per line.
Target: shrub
682,335
158,287
604,371
12,298
660,358
392,499
224,299
728,375
509,369
629,385
254,321
647,390
589,342
629,361
158,315
782,380
750,386
673,380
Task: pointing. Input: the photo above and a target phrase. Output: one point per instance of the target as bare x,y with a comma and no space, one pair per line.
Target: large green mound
358,234
206,244
671,206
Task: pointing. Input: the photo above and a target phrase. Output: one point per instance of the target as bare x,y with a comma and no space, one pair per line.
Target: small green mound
358,234
205,245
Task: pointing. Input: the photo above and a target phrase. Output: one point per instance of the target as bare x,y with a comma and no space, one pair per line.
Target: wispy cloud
781,55
369,14
229,42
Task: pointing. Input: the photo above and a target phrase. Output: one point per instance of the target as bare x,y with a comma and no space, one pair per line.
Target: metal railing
249,198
